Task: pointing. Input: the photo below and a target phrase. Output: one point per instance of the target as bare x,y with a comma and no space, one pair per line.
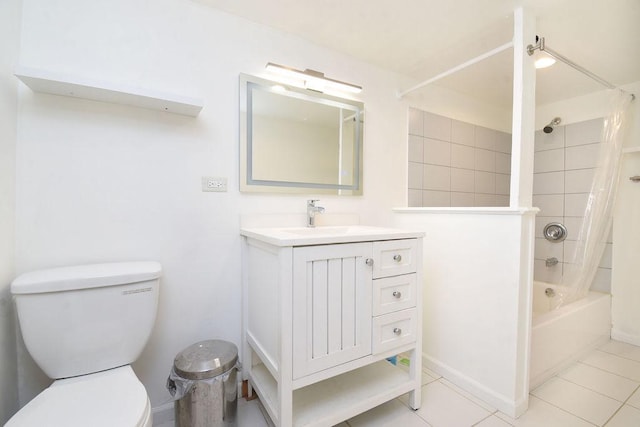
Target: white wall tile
606,261
415,175
436,198
462,199
415,198
485,160
503,163
437,127
602,280
569,251
550,204
502,200
436,178
582,156
578,181
437,152
485,200
503,184
586,132
462,180
416,122
485,182
416,149
548,183
573,225
542,221
462,156
546,274
486,138
462,133
548,161
575,204
545,249
549,141
503,143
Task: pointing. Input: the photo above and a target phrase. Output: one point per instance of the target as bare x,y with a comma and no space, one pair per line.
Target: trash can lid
206,359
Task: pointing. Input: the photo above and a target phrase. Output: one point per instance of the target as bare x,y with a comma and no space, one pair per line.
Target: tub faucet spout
312,210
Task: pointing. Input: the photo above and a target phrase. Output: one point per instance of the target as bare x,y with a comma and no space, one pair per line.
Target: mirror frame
250,83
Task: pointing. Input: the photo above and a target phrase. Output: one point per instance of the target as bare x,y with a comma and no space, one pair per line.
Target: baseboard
625,337
504,404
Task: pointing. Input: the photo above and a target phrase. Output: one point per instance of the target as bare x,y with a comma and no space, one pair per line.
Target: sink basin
315,231
303,236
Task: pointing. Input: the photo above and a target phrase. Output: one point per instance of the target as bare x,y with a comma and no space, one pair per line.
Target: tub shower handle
397,331
397,294
397,258
555,232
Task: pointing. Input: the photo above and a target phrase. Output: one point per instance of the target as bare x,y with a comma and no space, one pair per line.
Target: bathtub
561,336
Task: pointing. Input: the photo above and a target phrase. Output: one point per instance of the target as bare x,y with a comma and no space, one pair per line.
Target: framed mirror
295,140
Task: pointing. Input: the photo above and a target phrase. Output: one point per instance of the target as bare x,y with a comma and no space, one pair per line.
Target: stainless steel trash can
203,381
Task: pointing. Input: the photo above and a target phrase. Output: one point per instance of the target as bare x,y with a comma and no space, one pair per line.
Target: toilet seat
115,397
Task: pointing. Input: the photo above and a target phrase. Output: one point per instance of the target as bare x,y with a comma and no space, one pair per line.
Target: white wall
100,182
9,41
476,299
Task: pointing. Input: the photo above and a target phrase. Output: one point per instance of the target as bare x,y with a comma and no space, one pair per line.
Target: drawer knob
397,258
369,262
397,331
397,294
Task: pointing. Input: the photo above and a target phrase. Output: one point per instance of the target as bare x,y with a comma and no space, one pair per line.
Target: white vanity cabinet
322,311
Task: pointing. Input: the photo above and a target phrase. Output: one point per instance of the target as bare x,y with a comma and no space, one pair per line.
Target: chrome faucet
312,210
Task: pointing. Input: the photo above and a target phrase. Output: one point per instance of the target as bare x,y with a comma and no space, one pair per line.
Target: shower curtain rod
540,45
530,50
457,68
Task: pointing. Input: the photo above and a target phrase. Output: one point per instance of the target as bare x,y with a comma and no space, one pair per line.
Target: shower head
549,128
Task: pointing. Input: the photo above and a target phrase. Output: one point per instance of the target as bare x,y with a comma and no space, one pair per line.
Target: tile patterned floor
602,389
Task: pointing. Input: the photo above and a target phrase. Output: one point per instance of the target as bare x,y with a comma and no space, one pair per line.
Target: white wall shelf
66,85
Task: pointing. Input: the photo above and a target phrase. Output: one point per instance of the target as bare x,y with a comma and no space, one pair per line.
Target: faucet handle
312,202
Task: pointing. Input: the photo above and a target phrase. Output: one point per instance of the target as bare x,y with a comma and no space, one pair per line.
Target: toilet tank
84,319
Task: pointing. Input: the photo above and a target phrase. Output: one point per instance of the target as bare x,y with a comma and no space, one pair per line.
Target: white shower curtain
582,266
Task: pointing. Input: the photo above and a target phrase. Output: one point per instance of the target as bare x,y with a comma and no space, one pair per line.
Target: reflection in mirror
297,140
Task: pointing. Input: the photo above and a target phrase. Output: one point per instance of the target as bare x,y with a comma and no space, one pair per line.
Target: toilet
84,326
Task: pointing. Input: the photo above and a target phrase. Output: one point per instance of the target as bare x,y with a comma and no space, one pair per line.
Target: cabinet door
331,306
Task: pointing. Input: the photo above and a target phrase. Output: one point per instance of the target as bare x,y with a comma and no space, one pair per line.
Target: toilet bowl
84,326
105,399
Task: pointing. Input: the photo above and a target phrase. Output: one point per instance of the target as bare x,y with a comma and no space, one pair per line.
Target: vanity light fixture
313,80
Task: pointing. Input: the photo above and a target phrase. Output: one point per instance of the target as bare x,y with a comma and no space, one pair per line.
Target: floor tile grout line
618,355
605,370
565,411
460,394
621,406
596,391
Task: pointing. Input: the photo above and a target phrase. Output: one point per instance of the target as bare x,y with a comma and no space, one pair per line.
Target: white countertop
305,236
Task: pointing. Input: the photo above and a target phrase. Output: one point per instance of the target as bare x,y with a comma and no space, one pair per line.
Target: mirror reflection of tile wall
456,164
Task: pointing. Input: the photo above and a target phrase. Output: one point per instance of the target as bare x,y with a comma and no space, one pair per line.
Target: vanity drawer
393,330
394,293
394,257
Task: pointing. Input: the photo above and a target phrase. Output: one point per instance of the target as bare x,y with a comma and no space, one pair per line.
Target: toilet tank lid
85,277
